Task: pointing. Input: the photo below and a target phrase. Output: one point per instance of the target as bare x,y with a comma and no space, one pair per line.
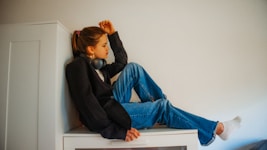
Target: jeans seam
146,92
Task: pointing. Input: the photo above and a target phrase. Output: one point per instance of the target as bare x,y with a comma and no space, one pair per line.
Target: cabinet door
22,95
22,64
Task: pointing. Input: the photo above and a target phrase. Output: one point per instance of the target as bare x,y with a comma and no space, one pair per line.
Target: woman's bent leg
134,76
145,115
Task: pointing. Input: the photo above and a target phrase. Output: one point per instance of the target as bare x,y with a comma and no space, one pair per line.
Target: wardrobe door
21,73
22,104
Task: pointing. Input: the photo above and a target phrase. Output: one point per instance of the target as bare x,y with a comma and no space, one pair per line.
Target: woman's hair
89,36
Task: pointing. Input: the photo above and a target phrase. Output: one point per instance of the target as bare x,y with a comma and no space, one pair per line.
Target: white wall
210,57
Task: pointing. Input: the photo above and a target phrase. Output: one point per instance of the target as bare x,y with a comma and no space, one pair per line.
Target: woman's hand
107,26
132,134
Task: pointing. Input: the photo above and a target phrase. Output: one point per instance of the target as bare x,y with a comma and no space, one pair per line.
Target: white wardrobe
34,105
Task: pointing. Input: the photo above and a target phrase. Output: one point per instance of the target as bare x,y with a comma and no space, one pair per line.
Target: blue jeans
154,107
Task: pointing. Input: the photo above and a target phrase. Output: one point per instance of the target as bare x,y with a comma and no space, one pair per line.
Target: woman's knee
133,67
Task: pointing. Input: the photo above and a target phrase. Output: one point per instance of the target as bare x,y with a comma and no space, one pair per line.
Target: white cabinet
33,103
159,138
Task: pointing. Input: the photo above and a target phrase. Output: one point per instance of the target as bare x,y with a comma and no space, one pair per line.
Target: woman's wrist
112,32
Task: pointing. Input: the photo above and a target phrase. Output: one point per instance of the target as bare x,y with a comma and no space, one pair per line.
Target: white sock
229,127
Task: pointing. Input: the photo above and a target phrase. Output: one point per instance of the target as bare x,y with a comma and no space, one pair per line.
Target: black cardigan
93,98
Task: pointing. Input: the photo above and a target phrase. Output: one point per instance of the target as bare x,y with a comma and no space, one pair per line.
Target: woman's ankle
220,128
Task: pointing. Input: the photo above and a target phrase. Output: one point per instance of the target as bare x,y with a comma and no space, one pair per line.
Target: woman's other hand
132,134
107,26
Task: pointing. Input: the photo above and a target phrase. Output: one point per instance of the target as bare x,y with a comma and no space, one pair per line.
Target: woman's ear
90,50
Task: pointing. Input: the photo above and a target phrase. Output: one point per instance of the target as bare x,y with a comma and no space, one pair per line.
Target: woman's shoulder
77,62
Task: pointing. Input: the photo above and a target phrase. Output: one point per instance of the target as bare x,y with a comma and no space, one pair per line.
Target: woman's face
101,49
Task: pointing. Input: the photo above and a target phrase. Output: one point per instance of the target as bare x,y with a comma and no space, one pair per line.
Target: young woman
106,108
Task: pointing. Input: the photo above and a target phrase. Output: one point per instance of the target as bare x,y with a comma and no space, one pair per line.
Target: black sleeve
93,115
121,58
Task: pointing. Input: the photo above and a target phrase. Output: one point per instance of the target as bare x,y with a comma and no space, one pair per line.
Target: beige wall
210,57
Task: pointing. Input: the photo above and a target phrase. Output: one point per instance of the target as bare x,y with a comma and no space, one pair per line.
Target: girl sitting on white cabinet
106,108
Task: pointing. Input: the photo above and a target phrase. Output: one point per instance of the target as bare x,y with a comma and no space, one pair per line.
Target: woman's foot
225,129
